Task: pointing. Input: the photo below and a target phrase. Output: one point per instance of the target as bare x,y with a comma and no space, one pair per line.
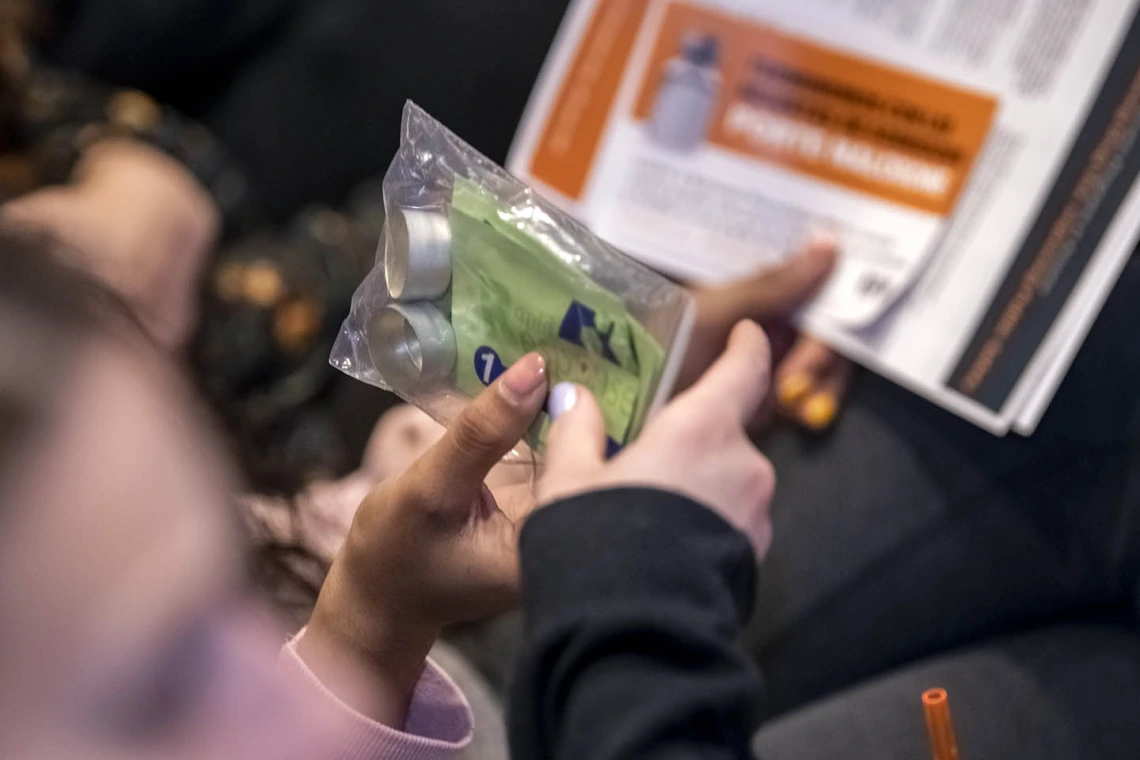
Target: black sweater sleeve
634,599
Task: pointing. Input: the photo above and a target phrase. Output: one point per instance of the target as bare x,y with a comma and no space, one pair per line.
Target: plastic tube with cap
943,743
411,345
417,261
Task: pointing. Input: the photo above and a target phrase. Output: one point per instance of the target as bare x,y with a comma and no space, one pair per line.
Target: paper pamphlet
977,162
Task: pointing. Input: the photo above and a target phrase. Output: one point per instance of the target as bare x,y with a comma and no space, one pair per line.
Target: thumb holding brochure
811,379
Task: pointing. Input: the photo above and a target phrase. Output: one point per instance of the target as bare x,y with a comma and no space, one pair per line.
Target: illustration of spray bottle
688,94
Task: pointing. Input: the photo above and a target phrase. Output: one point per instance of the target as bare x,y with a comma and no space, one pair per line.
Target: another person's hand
696,446
811,379
138,221
430,547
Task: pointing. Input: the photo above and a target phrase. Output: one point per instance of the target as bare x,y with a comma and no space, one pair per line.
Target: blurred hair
36,281
17,20
48,305
49,310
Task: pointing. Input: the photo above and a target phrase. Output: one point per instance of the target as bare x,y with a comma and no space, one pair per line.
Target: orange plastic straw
936,705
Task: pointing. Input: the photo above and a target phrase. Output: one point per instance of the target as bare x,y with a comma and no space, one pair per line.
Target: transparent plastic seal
475,270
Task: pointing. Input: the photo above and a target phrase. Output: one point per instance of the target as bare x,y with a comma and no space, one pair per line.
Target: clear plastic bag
475,270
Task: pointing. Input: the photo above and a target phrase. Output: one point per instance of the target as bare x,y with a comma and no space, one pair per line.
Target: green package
511,294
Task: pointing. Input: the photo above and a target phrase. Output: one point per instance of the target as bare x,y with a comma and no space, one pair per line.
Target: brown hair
49,310
18,26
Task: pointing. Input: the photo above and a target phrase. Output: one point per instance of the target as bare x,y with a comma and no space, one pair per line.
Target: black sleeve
634,599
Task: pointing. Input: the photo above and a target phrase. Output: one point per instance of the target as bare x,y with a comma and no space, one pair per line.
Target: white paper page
709,212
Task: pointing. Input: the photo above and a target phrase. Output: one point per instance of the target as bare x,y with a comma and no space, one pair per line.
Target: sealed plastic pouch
475,270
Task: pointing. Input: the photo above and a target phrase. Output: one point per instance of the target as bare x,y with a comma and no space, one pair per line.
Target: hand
811,382
137,220
812,379
430,547
696,446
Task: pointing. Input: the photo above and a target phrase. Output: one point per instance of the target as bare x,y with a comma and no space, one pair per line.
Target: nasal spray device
475,270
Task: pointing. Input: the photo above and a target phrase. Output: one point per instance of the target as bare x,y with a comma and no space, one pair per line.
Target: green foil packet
511,295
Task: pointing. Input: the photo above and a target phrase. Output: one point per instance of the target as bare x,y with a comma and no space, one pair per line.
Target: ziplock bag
475,270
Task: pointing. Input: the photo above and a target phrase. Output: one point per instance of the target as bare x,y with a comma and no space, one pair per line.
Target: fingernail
524,378
820,410
793,388
563,397
822,240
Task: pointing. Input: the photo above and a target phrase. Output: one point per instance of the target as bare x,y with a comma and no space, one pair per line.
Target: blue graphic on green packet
511,294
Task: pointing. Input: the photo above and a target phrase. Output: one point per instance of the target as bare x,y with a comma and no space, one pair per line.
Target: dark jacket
634,599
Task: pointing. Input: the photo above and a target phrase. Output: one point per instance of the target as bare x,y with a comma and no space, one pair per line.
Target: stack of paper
977,162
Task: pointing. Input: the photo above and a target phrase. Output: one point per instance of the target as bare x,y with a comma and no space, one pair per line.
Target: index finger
740,377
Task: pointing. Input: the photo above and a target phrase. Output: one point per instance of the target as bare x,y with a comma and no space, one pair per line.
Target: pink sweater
439,725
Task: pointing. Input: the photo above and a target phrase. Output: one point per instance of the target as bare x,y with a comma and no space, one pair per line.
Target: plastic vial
688,94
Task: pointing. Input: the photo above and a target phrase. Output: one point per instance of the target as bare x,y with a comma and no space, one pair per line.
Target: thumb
577,439
738,380
487,428
780,289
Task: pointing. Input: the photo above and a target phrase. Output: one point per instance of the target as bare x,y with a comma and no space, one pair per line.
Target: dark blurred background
306,94
304,98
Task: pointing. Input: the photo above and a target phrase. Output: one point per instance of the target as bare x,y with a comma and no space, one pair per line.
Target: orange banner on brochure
838,117
577,120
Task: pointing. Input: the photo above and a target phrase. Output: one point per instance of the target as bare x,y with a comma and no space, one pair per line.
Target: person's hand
811,379
138,221
811,382
430,547
696,446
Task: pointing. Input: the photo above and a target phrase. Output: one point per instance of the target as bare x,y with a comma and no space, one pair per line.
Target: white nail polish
563,397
